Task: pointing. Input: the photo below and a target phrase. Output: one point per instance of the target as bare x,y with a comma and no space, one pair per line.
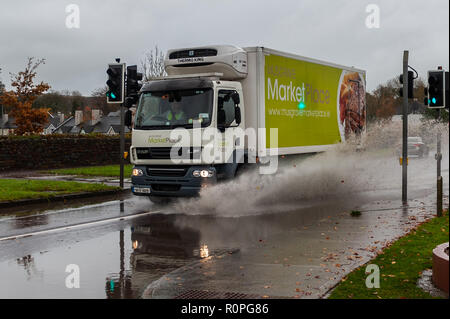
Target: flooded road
133,249
114,255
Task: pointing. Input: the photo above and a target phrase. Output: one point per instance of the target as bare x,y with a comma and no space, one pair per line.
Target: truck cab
168,139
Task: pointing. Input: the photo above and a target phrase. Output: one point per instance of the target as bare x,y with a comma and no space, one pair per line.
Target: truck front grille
164,152
167,171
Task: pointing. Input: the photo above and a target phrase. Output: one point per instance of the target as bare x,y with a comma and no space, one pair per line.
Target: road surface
131,249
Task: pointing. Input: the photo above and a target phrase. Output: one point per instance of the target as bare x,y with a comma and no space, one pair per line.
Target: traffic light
436,89
133,85
115,83
410,85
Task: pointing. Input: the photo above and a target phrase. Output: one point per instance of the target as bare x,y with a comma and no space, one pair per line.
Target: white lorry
284,103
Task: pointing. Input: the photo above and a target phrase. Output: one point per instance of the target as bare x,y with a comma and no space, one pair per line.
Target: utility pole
439,177
122,143
405,130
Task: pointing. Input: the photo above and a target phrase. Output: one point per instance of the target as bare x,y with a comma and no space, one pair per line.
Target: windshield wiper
180,125
166,127
152,127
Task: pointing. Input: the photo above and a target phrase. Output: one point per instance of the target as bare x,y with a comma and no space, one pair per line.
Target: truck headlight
203,173
137,172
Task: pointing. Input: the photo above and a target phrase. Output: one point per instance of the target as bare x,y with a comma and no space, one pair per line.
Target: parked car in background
416,147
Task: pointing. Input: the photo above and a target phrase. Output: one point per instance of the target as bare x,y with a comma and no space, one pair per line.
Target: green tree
383,102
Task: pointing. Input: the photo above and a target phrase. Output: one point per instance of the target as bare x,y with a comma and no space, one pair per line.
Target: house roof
52,120
102,126
87,128
66,124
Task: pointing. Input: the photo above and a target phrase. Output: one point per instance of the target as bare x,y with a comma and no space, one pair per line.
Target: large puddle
113,261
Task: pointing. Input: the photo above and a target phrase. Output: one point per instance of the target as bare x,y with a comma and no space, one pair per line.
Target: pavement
305,260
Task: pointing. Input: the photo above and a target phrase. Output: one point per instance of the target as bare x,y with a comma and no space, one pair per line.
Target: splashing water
345,173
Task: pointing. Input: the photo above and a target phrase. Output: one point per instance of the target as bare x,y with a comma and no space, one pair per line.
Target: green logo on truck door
301,100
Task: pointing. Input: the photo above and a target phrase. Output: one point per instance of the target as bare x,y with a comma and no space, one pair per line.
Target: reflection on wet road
116,259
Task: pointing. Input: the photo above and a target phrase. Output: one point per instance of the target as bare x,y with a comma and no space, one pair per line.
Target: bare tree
153,64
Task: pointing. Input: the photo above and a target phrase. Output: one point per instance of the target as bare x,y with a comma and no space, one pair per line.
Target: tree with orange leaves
20,100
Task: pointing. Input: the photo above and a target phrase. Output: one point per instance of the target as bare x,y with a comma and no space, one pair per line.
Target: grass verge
401,265
104,171
17,189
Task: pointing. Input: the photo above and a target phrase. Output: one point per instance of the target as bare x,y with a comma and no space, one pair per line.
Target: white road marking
103,221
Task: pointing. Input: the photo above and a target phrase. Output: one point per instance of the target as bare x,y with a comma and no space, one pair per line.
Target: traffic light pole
439,177
122,143
405,130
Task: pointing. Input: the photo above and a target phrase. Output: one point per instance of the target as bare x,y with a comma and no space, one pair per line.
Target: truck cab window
225,108
174,108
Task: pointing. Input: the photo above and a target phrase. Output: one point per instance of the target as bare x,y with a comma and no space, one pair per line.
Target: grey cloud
329,30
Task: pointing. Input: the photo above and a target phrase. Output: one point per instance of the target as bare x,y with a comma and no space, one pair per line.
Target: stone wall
63,151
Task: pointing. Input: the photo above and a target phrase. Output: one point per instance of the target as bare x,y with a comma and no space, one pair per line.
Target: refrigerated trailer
284,103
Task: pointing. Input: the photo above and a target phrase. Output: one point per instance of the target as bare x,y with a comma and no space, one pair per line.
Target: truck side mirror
236,99
237,115
128,118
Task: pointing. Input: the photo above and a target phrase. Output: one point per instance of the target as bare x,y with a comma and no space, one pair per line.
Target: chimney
78,117
95,116
61,117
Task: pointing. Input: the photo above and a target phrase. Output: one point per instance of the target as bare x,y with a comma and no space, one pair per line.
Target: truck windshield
170,109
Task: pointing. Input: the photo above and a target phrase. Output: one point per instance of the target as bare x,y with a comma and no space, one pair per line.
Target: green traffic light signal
436,89
115,83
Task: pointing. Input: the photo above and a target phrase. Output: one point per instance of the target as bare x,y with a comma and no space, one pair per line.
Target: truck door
228,123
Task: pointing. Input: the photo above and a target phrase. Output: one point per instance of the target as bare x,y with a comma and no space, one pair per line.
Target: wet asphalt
131,248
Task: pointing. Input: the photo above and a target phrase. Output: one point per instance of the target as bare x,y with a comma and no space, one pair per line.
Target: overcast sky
329,30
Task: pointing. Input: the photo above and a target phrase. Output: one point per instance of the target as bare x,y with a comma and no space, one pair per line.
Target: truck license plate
144,190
